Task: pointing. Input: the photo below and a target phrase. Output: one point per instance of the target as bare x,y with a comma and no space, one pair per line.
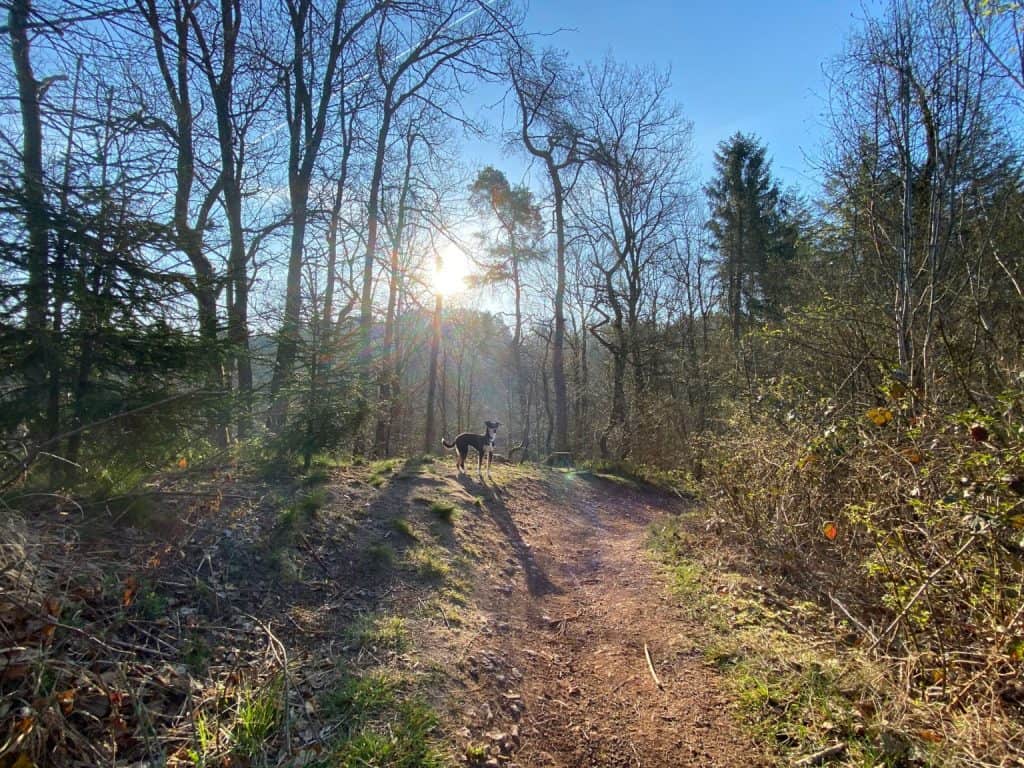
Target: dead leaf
131,586
24,725
879,416
66,699
830,529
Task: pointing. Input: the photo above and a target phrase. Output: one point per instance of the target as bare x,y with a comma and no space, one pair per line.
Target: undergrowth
905,521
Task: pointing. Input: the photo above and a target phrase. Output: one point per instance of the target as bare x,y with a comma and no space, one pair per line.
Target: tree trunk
558,342
430,441
36,218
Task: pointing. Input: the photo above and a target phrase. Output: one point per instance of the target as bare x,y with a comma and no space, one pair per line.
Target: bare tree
548,133
319,64
637,146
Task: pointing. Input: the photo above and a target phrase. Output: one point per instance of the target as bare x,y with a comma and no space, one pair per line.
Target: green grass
358,699
380,471
380,556
445,510
795,693
404,527
258,713
381,725
382,633
429,563
404,742
313,501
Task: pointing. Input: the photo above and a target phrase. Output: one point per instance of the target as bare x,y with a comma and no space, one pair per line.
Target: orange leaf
131,585
182,463
66,699
24,725
930,735
879,416
830,530
913,455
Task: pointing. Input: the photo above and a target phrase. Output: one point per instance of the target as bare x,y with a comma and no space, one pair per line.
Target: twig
847,614
309,548
924,585
821,756
281,653
650,666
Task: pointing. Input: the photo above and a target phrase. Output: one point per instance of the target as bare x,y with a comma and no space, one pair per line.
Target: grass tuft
429,563
380,727
382,633
445,510
404,527
380,556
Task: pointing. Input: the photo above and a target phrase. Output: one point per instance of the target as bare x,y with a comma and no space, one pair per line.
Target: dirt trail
560,670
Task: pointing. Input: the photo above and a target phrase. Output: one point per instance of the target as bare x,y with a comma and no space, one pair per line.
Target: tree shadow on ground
537,580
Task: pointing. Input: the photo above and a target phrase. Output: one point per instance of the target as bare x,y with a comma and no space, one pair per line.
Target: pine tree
752,233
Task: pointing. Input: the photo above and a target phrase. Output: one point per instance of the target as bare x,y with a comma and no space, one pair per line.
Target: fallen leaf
66,699
830,530
912,455
131,586
879,416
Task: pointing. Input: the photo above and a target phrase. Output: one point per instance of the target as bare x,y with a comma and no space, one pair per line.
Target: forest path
572,597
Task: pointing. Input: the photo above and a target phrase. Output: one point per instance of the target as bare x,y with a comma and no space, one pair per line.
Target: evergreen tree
751,231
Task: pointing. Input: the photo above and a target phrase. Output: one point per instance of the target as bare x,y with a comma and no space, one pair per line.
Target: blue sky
737,65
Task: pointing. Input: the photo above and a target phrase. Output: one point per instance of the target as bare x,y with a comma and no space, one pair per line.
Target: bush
908,515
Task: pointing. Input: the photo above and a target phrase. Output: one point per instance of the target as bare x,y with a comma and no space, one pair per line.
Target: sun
450,275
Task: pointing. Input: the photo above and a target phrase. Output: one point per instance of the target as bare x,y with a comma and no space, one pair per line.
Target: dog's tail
446,444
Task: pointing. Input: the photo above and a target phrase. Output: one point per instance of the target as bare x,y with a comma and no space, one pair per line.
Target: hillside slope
393,614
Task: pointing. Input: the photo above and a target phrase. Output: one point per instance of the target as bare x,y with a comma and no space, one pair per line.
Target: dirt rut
560,673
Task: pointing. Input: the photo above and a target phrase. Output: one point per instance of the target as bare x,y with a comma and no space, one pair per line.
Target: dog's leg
490,455
480,463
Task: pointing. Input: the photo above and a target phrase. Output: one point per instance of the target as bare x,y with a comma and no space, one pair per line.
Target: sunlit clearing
450,276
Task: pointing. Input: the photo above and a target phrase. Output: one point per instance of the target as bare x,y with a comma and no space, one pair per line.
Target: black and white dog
484,444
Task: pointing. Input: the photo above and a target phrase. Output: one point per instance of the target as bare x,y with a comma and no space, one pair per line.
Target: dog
484,444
